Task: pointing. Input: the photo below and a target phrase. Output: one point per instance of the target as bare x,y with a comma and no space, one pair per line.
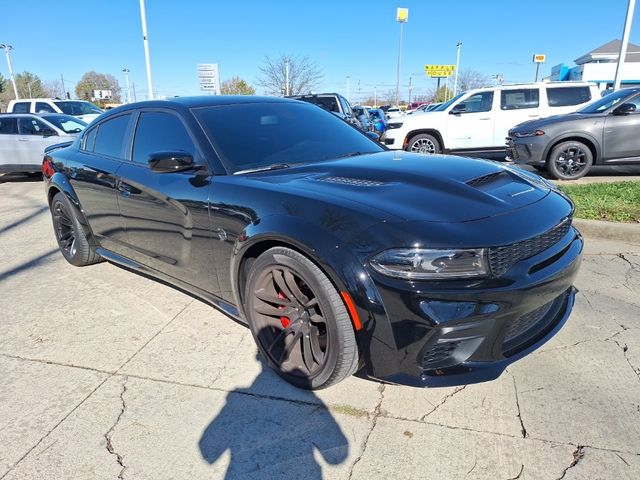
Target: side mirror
459,108
49,132
624,109
165,162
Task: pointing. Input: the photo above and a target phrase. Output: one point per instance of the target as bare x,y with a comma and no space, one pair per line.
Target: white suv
478,121
85,111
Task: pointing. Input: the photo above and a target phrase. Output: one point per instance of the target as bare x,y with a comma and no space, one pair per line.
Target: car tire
299,321
569,160
424,144
71,234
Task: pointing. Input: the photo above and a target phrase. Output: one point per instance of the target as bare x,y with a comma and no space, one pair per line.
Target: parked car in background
394,112
379,120
85,111
419,109
604,132
24,137
362,114
478,121
338,254
432,106
332,102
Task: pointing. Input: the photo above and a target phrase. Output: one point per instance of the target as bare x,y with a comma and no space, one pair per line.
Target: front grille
512,153
521,325
503,258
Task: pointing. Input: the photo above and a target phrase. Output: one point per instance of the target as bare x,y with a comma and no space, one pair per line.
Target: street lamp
623,45
348,88
126,79
402,16
6,48
145,40
455,85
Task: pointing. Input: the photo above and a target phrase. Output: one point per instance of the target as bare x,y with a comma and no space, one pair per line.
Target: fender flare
577,135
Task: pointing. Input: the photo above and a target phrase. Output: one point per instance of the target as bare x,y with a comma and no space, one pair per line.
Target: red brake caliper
283,320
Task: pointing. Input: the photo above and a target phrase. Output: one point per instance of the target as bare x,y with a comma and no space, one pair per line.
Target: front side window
42,107
111,134
607,101
480,102
8,126
21,107
31,126
256,135
519,99
77,107
160,132
568,96
67,123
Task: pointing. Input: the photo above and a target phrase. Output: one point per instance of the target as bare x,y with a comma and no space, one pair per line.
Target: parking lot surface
105,374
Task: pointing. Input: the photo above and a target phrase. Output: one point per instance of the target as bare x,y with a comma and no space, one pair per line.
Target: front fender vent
354,182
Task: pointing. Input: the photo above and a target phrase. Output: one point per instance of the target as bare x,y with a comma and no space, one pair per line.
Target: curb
627,232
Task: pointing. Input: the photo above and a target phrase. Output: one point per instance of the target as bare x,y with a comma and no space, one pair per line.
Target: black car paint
195,230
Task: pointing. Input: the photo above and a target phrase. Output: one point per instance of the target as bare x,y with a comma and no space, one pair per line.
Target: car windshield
330,104
256,135
607,101
66,123
77,107
445,105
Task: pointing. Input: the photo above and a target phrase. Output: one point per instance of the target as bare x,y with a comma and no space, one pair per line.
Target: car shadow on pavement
25,219
27,265
269,437
20,177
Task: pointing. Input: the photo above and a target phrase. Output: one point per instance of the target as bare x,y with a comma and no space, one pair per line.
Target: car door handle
488,118
23,140
534,116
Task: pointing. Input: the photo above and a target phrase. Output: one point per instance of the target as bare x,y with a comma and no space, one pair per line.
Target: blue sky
353,38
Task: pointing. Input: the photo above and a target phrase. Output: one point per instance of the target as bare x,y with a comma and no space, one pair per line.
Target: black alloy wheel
569,160
424,144
70,234
299,320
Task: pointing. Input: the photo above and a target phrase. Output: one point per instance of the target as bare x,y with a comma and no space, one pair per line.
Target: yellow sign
402,15
439,71
539,58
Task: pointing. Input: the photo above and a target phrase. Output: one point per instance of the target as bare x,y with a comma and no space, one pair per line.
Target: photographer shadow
273,438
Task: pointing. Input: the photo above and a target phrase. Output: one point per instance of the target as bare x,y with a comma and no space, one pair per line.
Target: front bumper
461,332
528,150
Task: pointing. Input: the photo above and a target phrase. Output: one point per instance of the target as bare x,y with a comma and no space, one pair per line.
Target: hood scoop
354,182
489,178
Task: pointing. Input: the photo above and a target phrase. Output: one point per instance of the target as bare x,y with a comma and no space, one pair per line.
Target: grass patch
351,411
613,202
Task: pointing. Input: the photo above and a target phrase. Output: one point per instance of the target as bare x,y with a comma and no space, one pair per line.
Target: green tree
28,84
91,81
442,94
304,75
236,86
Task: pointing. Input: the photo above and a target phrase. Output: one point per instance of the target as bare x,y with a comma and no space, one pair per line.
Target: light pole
623,45
126,79
348,88
286,78
402,15
455,85
375,96
145,40
6,48
410,90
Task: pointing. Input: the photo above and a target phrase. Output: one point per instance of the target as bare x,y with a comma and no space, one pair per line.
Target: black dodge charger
338,254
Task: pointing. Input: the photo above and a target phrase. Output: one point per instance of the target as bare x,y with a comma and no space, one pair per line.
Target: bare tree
469,79
304,75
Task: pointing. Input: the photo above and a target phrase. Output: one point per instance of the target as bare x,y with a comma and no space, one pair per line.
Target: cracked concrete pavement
105,375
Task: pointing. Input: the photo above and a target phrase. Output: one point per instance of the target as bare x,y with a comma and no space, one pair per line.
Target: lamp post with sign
402,16
538,58
6,49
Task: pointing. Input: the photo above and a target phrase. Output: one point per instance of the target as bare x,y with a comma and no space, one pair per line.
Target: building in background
599,66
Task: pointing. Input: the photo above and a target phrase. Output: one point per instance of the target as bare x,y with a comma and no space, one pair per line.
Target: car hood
555,119
437,188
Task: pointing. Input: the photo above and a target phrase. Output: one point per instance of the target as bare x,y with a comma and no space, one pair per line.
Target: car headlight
533,133
431,264
391,126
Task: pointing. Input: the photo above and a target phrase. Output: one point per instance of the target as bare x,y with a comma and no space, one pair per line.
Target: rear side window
42,107
90,139
21,107
111,135
8,126
567,96
31,126
519,99
160,132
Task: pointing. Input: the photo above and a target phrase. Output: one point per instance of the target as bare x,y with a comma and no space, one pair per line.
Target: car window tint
346,108
21,107
90,139
519,99
42,107
31,126
158,132
8,126
111,136
566,96
480,102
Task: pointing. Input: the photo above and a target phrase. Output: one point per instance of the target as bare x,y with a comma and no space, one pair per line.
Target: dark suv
604,132
334,103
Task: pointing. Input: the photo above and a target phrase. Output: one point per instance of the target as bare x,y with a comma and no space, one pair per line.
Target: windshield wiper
274,166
